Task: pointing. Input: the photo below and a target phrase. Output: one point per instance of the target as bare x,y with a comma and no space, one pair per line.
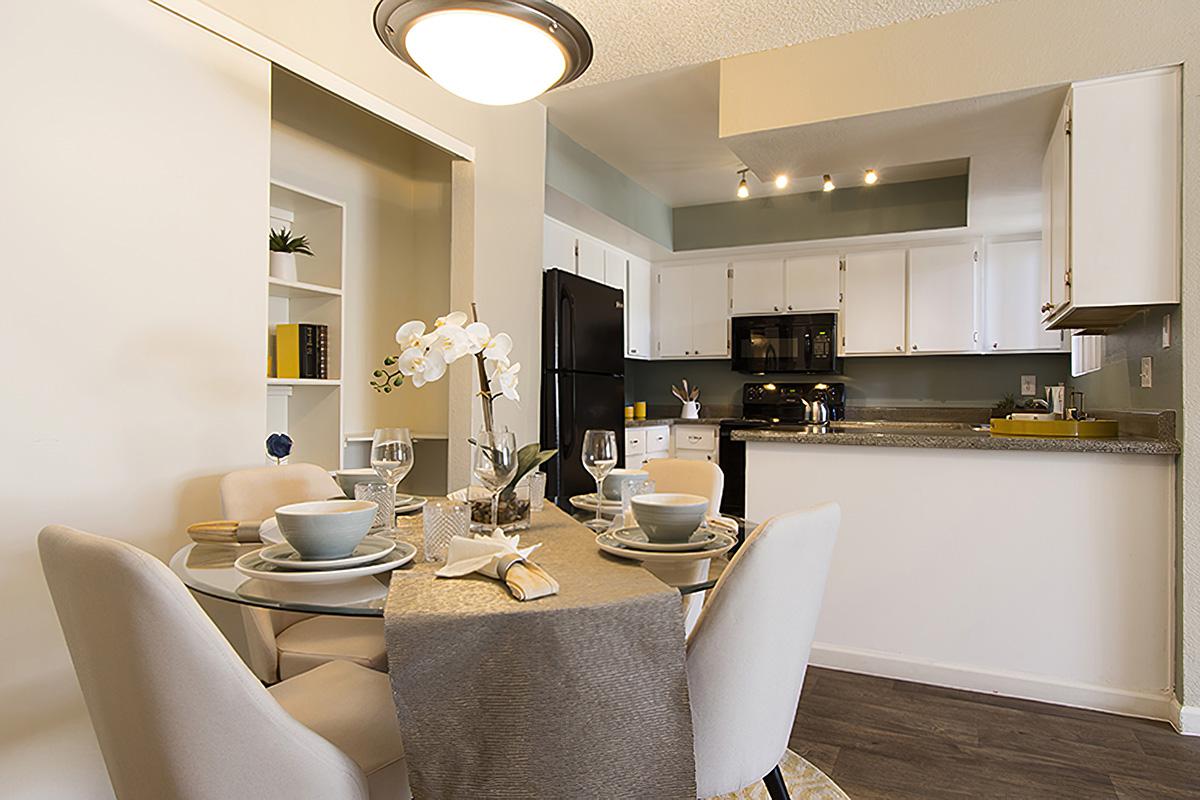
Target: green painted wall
976,380
852,211
580,174
1118,383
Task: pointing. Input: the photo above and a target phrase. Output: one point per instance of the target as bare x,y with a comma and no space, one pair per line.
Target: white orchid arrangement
425,355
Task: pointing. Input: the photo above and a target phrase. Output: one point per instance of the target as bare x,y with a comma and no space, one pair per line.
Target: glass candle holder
383,497
630,490
442,521
536,481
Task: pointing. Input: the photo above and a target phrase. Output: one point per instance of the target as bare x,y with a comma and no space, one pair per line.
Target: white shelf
294,290
416,435
303,382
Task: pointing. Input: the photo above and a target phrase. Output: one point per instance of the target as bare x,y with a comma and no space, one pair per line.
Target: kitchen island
1030,567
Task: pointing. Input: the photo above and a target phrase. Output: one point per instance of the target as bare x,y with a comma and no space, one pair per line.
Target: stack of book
301,350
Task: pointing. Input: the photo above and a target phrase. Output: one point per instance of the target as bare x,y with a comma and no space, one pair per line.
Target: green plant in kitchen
1006,406
282,241
284,248
424,358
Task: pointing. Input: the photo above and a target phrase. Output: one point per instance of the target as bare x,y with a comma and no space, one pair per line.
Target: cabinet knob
899,349
789,308
915,347
1047,307
776,308
995,345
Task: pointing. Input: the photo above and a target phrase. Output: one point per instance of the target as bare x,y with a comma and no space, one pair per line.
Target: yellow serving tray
1070,428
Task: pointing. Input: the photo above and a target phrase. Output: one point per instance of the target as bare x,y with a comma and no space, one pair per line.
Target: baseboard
1186,719
1151,705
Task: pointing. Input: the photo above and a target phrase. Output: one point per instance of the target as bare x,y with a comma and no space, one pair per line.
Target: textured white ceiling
635,37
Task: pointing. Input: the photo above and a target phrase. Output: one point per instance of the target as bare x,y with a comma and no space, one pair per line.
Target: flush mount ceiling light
827,183
743,190
781,181
870,177
494,52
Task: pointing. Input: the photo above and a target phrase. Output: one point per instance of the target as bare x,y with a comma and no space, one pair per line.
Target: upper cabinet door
873,312
673,322
558,246
1058,168
614,268
758,286
1013,283
710,310
637,309
942,299
813,283
591,259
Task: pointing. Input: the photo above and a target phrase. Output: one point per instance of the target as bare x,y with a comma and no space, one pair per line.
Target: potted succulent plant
424,358
284,248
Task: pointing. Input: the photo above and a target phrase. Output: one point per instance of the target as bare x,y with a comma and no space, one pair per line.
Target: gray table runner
578,695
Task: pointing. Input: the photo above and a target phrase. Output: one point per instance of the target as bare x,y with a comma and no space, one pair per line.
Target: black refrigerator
583,375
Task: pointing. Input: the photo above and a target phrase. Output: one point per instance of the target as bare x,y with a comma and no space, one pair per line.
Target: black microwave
786,343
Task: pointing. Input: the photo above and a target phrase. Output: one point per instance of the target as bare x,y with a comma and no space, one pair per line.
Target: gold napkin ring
504,563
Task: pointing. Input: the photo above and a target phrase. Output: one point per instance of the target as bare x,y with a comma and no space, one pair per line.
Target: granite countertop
646,423
953,436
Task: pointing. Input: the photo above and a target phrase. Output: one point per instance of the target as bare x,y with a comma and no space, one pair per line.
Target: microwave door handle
808,349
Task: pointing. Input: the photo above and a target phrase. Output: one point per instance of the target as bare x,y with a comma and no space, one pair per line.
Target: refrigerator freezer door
583,325
572,403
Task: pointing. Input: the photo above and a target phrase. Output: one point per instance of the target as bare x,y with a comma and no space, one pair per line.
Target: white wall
134,157
1055,586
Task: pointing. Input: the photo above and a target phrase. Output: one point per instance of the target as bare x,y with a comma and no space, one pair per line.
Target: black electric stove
769,405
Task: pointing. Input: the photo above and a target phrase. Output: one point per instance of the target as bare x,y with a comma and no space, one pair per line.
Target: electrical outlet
1028,385
1147,371
1166,332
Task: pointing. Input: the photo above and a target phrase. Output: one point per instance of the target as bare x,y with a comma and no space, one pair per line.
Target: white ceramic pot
283,266
691,410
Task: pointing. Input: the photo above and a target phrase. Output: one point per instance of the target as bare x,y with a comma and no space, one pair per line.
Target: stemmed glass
599,457
392,458
495,463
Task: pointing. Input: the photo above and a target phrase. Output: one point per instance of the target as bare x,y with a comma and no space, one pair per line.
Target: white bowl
326,529
669,517
619,477
349,478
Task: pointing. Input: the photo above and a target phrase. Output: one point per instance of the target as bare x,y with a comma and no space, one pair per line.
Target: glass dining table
208,569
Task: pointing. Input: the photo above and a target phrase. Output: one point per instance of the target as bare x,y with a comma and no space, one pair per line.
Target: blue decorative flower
279,446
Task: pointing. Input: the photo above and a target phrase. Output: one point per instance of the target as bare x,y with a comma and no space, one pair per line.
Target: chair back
176,712
748,653
254,494
689,477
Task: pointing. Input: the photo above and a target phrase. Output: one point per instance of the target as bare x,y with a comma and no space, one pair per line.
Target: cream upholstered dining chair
282,644
748,653
685,476
177,713
689,477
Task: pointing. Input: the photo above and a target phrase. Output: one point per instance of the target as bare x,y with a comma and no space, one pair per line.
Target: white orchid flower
423,366
505,376
411,334
452,342
455,318
480,335
493,347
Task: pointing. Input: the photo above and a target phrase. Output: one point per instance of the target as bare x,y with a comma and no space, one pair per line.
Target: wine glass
599,457
495,463
392,458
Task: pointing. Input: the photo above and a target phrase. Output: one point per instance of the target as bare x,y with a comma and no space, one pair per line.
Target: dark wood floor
880,738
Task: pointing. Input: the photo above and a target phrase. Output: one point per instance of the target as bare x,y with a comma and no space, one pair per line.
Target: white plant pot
691,410
283,266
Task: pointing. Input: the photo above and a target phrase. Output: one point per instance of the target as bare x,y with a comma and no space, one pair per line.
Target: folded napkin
225,531
500,557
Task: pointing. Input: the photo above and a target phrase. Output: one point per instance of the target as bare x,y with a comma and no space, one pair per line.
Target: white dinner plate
587,502
372,548
409,502
252,566
721,543
636,538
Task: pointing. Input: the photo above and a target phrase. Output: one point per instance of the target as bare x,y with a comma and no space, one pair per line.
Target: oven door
764,344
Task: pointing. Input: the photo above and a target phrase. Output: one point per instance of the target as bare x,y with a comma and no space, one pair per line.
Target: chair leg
775,785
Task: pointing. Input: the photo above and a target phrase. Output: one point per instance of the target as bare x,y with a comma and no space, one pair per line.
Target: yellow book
287,350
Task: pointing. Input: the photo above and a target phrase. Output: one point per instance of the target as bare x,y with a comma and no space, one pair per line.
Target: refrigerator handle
567,308
566,432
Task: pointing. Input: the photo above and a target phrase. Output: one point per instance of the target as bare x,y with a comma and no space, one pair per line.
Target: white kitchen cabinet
590,259
614,268
943,298
1113,176
558,246
757,286
637,309
813,283
1012,293
693,311
873,305
695,442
